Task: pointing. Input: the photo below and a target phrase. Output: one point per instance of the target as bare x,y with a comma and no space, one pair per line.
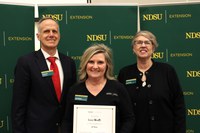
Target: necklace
144,83
143,69
143,79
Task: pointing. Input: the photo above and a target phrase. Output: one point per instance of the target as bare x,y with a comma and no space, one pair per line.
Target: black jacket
35,108
159,106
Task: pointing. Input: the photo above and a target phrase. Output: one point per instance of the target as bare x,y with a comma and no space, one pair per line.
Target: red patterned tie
55,77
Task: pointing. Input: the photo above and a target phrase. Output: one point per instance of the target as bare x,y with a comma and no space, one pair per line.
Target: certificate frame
94,119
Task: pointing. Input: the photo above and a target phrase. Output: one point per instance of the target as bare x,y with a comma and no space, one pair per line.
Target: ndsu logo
150,17
193,111
57,17
158,55
1,79
1,124
192,35
193,74
100,37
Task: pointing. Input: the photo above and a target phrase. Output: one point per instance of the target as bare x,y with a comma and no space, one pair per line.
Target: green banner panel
178,33
82,26
16,39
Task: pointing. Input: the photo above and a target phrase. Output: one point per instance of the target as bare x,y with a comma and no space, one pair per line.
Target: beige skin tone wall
95,1
143,1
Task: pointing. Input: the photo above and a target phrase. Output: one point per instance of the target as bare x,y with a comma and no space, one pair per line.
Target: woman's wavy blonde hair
87,55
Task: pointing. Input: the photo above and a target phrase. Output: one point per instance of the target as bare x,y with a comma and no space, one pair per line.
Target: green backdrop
82,26
178,33
16,39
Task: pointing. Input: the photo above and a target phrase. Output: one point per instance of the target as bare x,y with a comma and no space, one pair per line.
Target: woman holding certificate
90,100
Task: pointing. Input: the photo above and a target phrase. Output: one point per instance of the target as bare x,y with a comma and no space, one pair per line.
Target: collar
46,55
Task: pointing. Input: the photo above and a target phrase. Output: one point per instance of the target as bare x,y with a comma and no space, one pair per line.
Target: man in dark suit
35,106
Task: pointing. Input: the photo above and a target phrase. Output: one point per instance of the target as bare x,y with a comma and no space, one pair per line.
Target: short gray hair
46,18
146,34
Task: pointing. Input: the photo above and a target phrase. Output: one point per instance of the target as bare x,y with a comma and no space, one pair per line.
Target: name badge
47,73
81,98
131,81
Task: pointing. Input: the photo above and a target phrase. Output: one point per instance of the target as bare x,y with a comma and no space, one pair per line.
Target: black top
113,93
159,106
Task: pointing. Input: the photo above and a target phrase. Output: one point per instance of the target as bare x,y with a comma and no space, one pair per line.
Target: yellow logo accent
193,74
100,37
57,17
192,35
1,124
158,55
150,17
193,111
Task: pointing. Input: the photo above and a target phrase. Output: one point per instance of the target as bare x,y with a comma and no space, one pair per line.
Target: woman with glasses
154,88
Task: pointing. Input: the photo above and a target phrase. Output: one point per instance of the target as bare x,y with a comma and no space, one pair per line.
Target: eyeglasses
139,42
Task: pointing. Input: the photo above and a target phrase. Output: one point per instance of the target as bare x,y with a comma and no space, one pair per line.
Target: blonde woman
98,87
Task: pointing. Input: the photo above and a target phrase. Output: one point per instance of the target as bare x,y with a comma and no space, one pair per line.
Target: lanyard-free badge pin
47,73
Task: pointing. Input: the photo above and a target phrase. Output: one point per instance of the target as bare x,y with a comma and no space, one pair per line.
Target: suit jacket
35,108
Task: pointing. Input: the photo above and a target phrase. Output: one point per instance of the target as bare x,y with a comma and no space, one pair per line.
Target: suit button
57,124
150,102
152,118
149,85
134,103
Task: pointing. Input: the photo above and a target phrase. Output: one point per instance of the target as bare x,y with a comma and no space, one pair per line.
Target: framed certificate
94,119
